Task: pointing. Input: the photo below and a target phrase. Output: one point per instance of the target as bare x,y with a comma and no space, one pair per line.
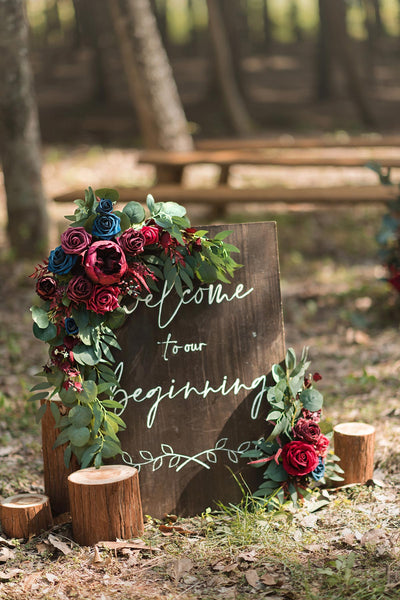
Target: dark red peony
105,262
307,431
299,458
75,240
104,299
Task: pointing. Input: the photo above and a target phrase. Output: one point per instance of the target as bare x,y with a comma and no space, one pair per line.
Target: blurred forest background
294,68
167,74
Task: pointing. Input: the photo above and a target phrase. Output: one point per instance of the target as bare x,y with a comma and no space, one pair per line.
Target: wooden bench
170,165
223,195
286,141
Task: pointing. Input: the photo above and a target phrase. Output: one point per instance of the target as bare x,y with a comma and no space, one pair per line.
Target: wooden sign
193,374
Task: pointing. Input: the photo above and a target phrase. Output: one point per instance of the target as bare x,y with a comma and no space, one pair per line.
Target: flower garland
105,258
296,453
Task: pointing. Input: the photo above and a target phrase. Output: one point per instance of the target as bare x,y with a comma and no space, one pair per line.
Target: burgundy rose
105,263
312,415
79,289
103,299
307,431
299,458
75,240
166,240
150,234
322,446
46,287
132,242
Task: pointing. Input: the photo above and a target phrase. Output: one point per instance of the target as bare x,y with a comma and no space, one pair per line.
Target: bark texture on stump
55,471
354,445
105,504
24,515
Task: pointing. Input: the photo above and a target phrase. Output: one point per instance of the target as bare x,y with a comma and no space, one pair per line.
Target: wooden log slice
105,504
24,515
354,444
54,470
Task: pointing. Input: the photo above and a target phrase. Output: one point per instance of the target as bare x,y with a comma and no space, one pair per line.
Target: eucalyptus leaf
40,317
135,212
45,335
108,194
79,436
311,399
80,416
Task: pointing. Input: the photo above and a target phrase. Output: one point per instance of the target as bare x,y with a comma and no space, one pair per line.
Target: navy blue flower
319,471
105,206
106,226
60,262
70,326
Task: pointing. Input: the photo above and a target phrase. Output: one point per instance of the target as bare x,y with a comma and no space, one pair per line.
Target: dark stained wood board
183,436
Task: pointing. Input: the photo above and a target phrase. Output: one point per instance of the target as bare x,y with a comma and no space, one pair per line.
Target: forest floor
334,302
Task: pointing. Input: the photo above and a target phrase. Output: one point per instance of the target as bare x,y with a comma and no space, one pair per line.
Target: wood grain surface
193,402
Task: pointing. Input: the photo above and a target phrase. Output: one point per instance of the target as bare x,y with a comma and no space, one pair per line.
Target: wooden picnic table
170,165
285,141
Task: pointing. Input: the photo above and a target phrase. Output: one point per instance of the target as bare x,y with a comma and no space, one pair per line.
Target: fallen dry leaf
97,558
51,578
6,554
59,544
135,545
170,529
374,536
224,568
268,579
249,556
8,543
42,547
252,578
7,575
180,567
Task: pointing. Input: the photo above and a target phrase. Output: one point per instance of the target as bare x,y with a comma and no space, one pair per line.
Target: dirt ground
334,302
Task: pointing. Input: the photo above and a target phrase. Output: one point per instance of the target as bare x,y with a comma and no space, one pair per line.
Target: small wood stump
105,504
24,515
54,470
354,445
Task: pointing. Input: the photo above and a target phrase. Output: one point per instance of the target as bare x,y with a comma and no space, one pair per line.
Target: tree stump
55,471
24,515
105,504
354,445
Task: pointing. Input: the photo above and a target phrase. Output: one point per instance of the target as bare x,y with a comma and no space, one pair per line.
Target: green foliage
292,397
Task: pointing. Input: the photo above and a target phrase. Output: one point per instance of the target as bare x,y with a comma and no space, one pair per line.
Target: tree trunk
20,138
105,504
323,62
233,100
267,26
155,73
354,445
25,515
341,47
54,470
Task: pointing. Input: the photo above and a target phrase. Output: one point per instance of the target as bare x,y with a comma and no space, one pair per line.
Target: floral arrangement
388,236
295,455
105,258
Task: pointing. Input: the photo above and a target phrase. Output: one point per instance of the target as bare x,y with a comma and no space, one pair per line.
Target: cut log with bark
354,445
25,515
54,470
105,504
